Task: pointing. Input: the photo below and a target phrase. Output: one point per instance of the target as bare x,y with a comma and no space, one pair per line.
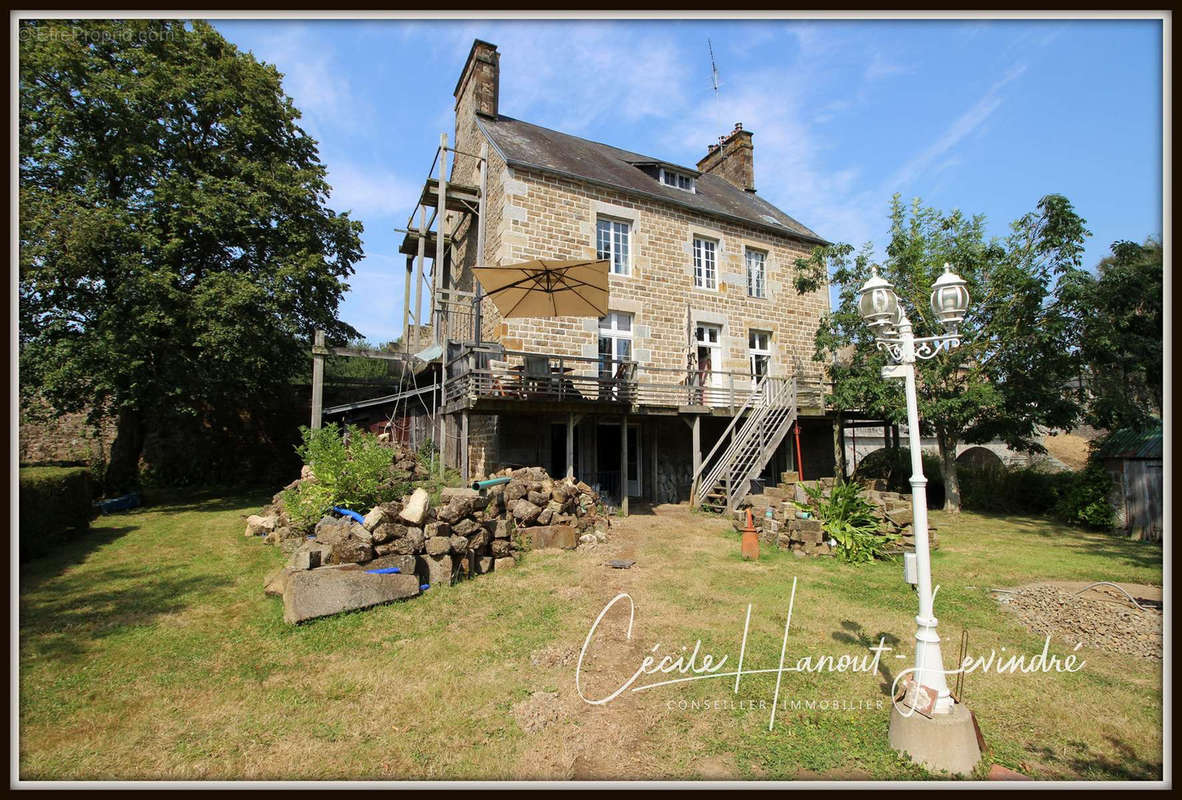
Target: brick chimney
478,89
732,159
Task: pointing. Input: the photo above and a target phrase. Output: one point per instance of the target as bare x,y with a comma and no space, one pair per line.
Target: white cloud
370,191
964,125
315,79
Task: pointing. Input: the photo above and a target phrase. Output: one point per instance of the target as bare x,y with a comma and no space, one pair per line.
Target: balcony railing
487,371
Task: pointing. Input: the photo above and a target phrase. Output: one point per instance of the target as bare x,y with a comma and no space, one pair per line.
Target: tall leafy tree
1119,313
176,249
1011,374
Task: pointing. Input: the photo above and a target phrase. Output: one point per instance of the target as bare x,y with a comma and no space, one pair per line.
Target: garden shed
1134,460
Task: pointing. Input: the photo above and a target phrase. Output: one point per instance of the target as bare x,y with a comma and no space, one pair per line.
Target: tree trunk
123,468
947,447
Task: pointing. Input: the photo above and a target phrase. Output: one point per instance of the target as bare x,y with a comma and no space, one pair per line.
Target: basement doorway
607,452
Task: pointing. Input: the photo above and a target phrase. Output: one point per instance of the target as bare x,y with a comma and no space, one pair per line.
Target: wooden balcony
489,378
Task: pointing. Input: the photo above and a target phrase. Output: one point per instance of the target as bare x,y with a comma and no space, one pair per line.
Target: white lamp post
883,313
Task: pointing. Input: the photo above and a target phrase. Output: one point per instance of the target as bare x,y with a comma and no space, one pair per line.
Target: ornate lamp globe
891,329
950,299
877,302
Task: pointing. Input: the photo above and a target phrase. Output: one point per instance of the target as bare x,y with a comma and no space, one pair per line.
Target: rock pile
781,522
403,546
1120,628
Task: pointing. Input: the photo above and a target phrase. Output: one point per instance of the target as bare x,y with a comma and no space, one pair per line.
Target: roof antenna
714,80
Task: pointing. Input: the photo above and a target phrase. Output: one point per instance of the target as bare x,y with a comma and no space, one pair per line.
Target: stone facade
530,214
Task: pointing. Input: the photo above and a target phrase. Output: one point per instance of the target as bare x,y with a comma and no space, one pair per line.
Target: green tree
1009,376
176,250
1119,313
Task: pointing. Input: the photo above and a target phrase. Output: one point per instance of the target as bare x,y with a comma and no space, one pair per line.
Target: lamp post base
942,743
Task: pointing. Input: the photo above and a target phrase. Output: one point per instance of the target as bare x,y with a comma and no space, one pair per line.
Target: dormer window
677,180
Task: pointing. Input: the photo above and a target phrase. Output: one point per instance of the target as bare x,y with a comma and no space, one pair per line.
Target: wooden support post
420,258
839,445
317,380
697,443
477,310
464,447
570,445
624,466
440,235
410,265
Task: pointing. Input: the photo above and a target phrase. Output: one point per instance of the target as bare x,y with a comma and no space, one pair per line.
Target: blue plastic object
424,587
385,571
346,512
124,503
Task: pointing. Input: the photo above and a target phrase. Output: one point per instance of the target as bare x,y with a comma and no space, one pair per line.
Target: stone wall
46,436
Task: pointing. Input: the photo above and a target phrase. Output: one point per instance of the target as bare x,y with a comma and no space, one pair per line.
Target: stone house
705,334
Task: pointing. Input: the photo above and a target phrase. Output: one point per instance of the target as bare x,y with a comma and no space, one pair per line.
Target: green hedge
53,501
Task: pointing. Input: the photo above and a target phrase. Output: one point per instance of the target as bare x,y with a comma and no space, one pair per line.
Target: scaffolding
454,312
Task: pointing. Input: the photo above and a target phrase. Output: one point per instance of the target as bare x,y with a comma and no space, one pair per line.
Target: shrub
53,500
1076,498
354,471
1085,500
894,466
849,519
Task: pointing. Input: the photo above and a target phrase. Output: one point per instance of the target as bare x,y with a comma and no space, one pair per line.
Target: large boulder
545,536
323,592
437,529
463,493
514,491
459,544
351,543
405,563
387,530
525,512
374,518
437,570
414,509
259,525
275,584
310,555
499,528
438,545
465,527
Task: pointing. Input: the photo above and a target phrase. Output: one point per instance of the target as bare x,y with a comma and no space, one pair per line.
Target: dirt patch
1101,617
537,712
554,655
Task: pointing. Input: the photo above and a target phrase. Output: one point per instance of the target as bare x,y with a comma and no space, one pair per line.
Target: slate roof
524,145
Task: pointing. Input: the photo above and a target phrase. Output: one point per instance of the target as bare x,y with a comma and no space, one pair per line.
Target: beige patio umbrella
547,288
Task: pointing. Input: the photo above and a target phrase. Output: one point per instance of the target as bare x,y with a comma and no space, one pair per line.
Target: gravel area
1109,625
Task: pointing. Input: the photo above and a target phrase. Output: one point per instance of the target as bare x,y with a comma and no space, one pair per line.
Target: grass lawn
148,651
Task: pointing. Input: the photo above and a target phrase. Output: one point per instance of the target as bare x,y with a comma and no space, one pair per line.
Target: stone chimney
478,89
732,159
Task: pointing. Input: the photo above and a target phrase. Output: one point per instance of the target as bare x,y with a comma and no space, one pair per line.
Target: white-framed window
613,243
677,180
705,263
756,273
759,353
615,341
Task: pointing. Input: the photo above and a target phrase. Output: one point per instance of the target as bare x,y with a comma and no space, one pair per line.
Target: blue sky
985,116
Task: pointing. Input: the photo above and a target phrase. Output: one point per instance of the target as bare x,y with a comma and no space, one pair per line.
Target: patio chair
537,373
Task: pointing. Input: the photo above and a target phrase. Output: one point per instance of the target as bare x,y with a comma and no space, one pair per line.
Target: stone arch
979,458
